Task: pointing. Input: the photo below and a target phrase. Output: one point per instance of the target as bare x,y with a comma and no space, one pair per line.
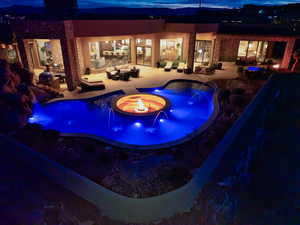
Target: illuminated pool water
192,106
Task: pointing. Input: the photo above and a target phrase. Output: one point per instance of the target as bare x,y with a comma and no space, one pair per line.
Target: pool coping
132,147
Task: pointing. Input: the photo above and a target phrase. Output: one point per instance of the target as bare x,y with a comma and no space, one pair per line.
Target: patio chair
134,72
111,73
91,86
209,71
125,76
181,67
168,66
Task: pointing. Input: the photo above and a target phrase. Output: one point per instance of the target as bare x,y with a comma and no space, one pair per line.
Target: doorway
143,55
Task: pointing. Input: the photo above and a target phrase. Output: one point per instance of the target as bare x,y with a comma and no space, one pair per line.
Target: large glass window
203,52
45,53
252,48
243,48
12,54
109,53
255,50
171,49
94,54
144,52
49,53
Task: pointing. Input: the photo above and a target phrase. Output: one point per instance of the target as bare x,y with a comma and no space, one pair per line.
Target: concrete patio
150,77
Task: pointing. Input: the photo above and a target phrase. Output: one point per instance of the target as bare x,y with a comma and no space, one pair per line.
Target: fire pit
140,104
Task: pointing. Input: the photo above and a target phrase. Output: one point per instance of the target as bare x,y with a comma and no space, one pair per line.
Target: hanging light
10,47
3,46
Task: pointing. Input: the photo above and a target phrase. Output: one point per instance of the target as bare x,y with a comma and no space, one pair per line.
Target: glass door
144,55
253,50
203,52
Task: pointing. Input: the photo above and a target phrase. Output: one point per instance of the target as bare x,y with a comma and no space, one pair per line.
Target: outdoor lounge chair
168,66
181,67
91,86
112,73
134,72
125,76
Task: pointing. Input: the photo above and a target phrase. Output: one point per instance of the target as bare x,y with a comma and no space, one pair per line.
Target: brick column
70,56
288,53
190,57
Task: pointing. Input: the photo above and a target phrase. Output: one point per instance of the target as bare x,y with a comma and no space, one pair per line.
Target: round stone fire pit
140,104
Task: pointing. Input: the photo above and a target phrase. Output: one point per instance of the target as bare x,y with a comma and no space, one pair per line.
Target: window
203,52
143,42
11,55
171,49
144,52
243,48
49,53
45,53
109,53
253,49
94,54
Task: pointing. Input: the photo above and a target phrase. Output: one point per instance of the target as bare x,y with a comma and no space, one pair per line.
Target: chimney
60,8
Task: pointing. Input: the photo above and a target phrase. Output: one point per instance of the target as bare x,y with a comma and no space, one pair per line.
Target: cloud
153,3
178,3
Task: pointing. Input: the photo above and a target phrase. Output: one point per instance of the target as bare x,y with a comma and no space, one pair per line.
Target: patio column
23,54
288,53
133,50
216,50
70,56
156,49
191,53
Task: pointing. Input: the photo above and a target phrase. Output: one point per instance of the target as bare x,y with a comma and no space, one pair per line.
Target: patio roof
84,28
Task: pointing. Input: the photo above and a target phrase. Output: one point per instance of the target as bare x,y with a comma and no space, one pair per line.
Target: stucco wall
92,28
229,50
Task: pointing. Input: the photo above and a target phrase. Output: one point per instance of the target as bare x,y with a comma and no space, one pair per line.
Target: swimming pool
192,106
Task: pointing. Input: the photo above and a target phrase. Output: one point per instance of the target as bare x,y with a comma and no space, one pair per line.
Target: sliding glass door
253,50
143,56
144,52
109,53
203,52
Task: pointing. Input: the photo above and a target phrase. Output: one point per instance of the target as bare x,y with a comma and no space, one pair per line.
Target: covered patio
150,77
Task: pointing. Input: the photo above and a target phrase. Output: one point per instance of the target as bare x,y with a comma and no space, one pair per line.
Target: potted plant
87,71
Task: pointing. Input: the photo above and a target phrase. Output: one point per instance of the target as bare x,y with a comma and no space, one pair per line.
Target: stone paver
151,77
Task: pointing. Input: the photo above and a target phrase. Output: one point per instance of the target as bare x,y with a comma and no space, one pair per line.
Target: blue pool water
191,106
254,68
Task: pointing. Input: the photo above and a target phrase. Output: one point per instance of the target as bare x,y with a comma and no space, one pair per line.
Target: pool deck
151,77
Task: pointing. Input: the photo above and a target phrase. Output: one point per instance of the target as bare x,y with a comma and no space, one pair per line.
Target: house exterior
75,45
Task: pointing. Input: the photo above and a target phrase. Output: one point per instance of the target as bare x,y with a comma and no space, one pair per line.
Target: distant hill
22,10
30,10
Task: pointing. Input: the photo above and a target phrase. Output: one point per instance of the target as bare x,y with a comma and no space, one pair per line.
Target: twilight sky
153,3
